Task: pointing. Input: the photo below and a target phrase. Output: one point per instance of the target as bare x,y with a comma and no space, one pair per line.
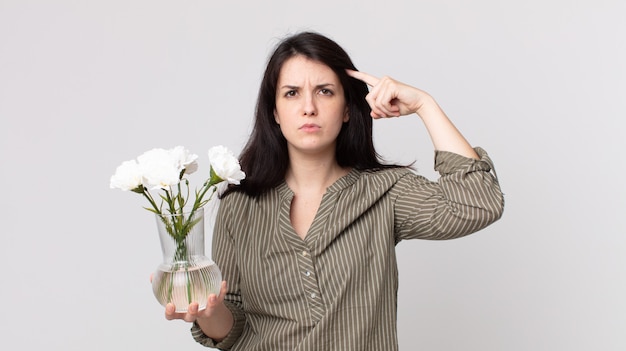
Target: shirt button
313,295
304,253
307,273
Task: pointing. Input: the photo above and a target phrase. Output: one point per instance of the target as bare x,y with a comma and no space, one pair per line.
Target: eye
290,93
325,91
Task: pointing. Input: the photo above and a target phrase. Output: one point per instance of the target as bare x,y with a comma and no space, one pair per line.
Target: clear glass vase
186,275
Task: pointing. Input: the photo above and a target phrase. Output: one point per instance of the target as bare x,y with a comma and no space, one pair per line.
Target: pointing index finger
364,77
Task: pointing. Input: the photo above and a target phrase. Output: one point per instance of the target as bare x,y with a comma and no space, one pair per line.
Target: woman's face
310,106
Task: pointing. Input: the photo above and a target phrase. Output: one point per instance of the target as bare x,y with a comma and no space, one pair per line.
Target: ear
346,115
276,117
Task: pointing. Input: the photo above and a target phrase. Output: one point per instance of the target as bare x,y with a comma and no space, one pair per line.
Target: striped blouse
336,289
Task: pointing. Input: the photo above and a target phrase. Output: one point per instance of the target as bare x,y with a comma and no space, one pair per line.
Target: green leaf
152,210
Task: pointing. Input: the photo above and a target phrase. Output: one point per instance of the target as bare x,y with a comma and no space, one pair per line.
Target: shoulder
382,180
232,203
385,175
239,202
235,200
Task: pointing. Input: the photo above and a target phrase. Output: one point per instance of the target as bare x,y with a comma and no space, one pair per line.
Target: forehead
300,69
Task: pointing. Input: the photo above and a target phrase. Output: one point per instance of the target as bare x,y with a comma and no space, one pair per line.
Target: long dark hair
265,159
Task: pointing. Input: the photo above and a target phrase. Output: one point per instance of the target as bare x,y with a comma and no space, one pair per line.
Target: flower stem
151,200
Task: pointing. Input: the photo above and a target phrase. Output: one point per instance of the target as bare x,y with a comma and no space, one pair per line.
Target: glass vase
186,275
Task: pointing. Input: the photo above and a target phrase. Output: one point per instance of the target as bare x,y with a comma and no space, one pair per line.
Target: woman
307,242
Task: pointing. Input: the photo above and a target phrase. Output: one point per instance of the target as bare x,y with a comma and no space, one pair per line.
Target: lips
309,127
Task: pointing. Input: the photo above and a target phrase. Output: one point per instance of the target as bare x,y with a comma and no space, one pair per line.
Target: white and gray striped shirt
337,288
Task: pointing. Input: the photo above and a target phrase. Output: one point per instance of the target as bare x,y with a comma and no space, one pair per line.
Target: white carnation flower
127,176
159,169
165,169
225,164
184,159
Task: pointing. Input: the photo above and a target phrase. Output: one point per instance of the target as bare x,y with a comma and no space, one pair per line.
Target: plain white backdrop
540,84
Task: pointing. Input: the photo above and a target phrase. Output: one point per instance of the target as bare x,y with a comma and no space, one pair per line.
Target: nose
309,108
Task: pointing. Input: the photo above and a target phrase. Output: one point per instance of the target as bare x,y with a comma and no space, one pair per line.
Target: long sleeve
224,256
466,198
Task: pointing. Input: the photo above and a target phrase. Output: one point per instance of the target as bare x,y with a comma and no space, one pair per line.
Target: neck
313,174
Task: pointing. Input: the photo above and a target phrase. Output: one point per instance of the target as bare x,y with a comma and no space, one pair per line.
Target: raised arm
391,98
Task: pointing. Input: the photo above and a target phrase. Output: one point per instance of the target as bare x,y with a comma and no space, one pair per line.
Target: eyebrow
319,86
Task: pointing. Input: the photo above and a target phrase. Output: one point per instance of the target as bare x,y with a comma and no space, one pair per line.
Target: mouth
309,127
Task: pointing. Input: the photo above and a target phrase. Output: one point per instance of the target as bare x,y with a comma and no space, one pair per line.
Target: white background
540,84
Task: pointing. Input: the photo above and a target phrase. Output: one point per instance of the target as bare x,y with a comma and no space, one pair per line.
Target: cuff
448,162
230,339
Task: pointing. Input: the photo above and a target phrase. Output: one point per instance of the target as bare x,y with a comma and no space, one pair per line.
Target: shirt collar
286,193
